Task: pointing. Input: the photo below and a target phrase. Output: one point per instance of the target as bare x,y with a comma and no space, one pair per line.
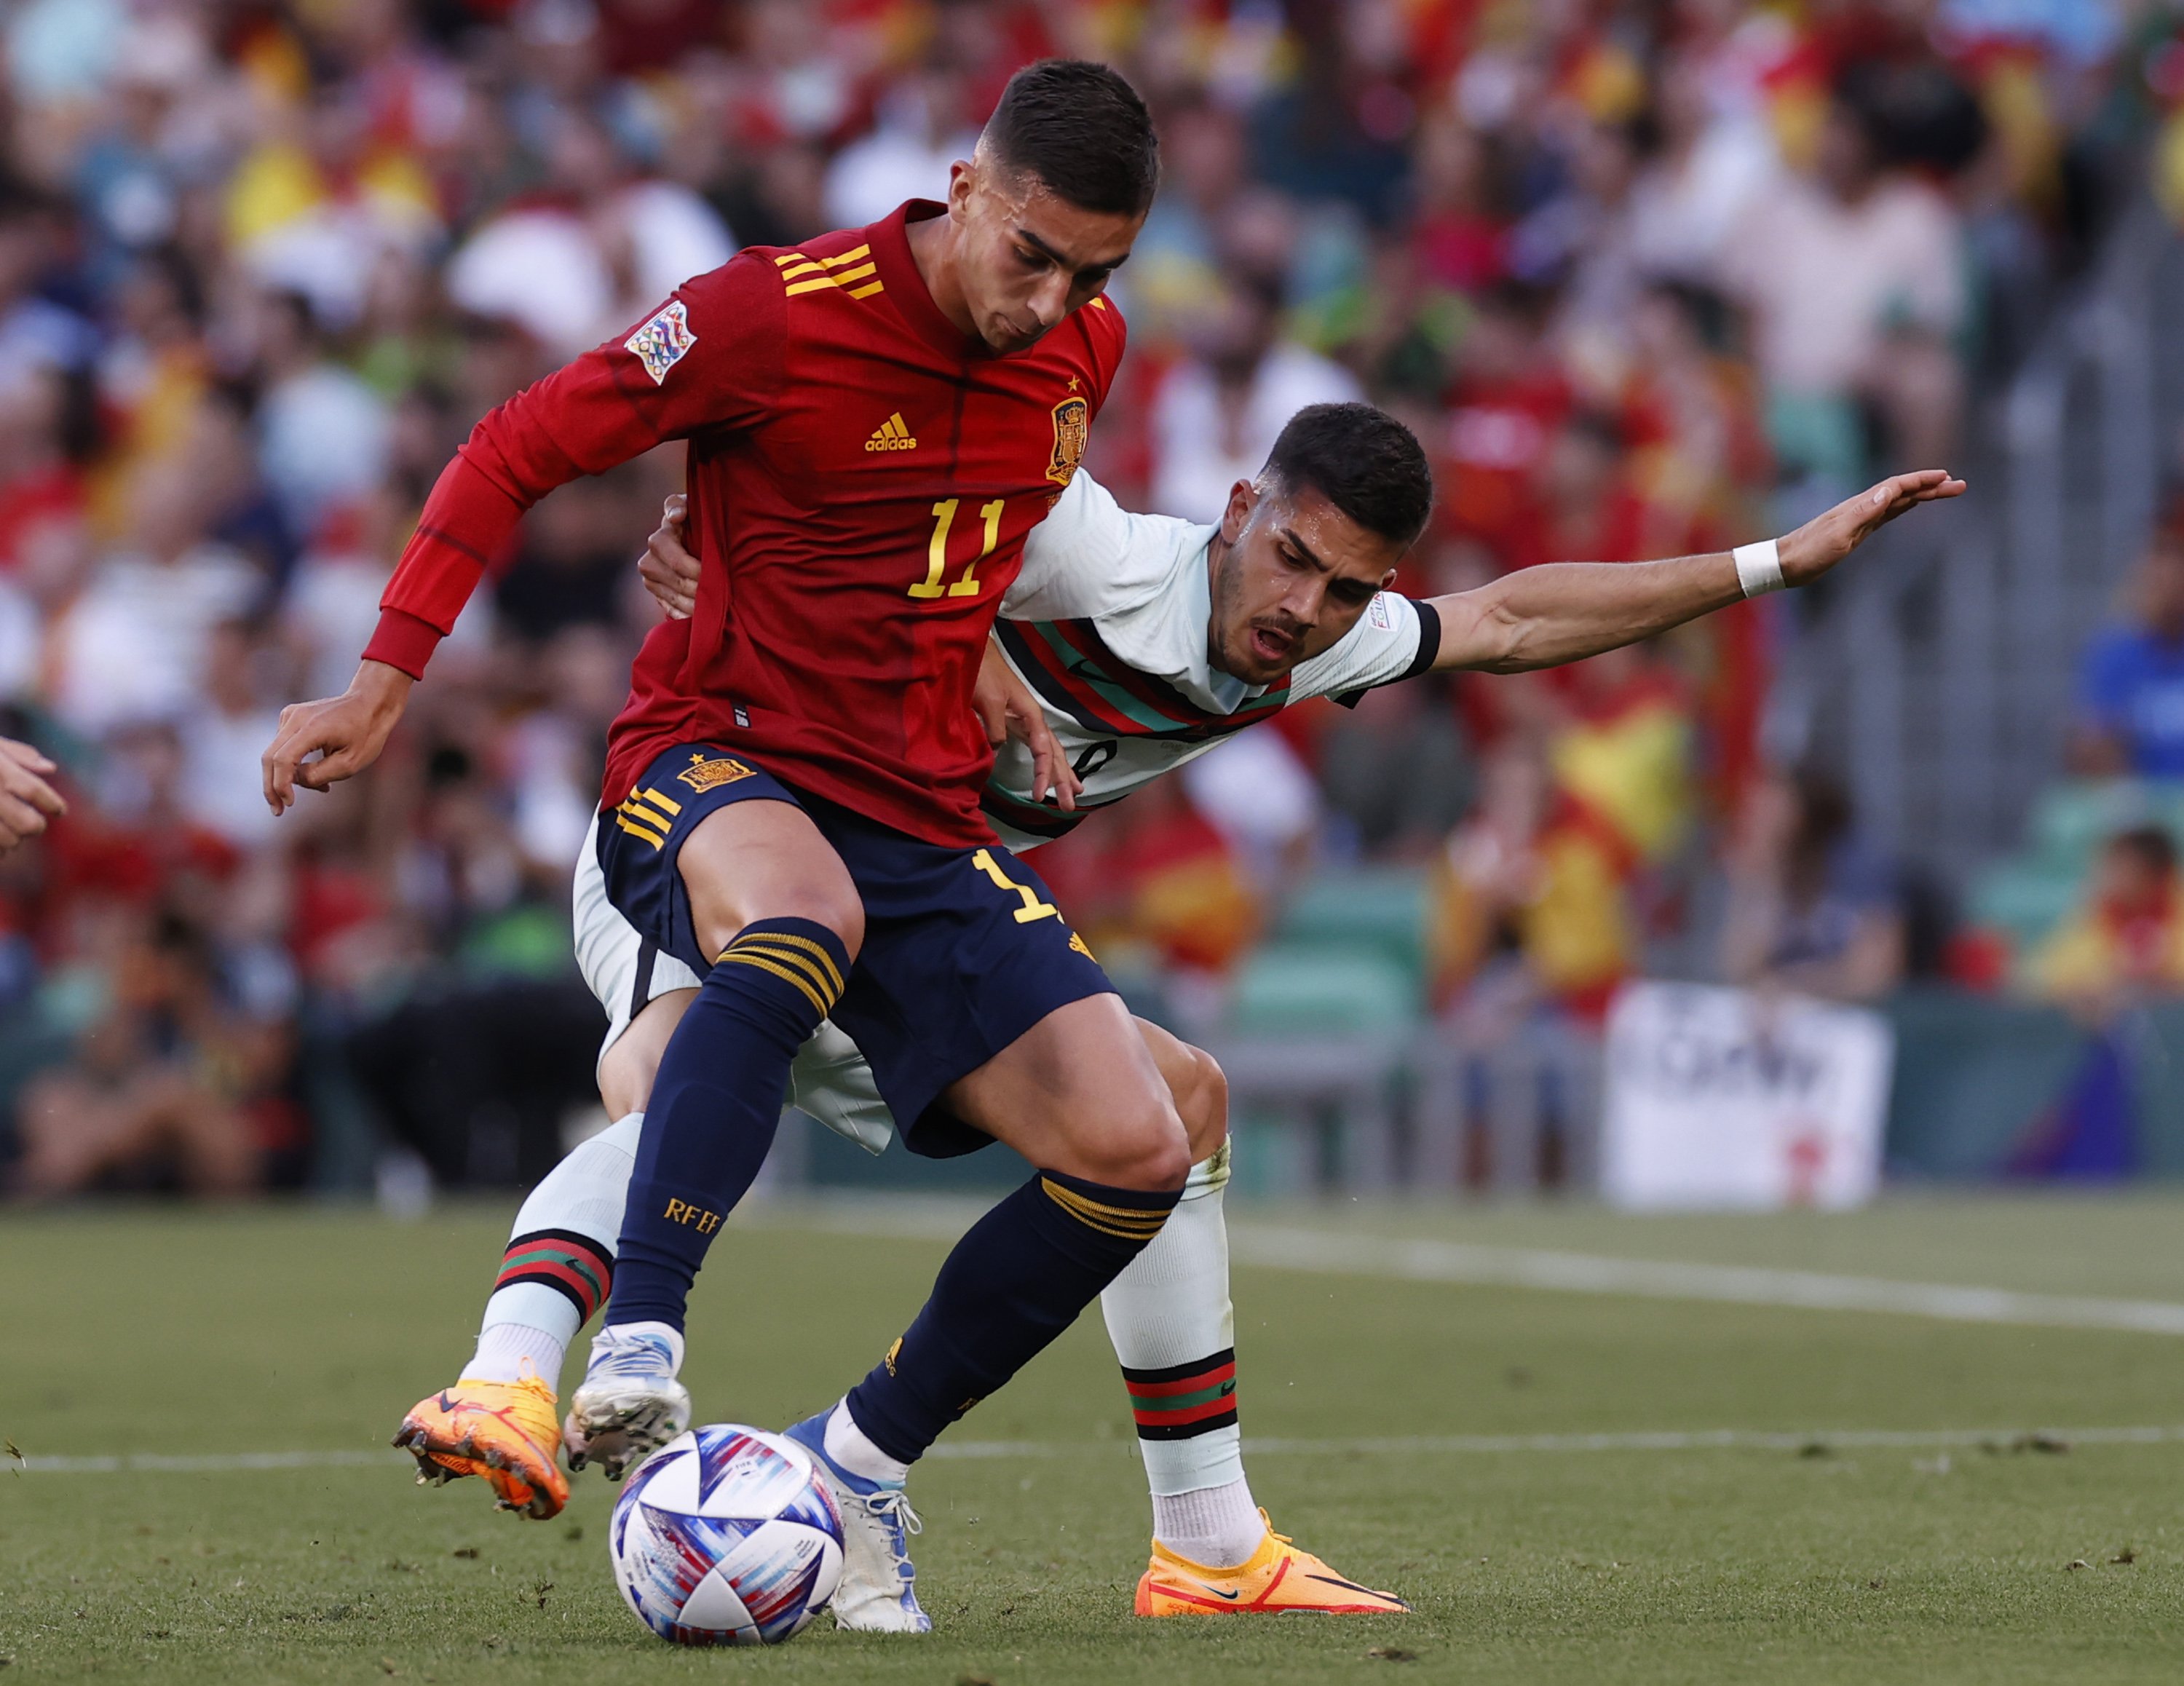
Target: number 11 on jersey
936,552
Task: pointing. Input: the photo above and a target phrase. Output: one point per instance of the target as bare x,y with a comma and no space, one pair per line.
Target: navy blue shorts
964,948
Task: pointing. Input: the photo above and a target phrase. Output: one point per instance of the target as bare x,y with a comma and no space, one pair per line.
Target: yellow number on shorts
1032,907
936,550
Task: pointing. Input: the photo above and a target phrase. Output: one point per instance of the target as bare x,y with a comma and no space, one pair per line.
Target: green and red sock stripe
573,1264
1183,1399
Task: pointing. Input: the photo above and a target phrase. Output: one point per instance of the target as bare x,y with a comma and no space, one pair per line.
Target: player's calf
762,883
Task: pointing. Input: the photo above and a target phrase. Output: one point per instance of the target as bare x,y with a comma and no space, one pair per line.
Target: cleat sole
618,1430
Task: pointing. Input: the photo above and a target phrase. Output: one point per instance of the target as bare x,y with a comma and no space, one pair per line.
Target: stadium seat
1383,908
2156,1045
1291,989
1972,1075
2026,901
1314,1050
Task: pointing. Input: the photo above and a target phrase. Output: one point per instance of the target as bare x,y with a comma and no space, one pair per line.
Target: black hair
1826,815
2152,846
1082,131
1362,460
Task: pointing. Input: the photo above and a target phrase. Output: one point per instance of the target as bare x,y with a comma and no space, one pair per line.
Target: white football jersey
1106,623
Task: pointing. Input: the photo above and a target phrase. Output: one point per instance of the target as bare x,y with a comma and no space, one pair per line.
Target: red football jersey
861,477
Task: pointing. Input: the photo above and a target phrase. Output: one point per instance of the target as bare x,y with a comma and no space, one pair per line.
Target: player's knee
822,901
1149,1150
1202,1103
629,1066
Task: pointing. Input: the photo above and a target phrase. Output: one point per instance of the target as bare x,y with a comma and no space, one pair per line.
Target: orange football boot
504,1431
1277,1578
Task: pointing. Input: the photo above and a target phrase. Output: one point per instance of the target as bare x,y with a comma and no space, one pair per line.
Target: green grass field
1819,1557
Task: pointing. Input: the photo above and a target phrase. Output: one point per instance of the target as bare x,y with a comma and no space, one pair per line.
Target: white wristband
1759,568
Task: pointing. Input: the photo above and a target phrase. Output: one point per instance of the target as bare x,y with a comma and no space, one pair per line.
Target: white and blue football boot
879,1594
629,1403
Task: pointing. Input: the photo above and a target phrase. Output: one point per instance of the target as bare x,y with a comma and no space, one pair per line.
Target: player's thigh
1197,1085
751,860
631,1062
1080,1093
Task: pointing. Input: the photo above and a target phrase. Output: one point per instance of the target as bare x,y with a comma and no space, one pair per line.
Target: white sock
1169,1309
1216,1527
584,1195
508,1352
850,1447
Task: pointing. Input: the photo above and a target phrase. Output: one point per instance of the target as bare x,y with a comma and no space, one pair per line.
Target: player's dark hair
1362,460
2154,848
1082,131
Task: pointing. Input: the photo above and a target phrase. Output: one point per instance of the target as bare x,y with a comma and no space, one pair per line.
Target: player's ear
1243,498
962,180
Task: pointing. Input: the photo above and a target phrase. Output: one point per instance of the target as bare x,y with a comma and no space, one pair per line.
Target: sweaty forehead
1308,518
1079,239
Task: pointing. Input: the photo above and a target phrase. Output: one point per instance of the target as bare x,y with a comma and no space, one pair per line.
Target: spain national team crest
711,772
1072,427
662,342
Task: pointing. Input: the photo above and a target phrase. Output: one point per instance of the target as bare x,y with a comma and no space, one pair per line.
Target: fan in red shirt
875,420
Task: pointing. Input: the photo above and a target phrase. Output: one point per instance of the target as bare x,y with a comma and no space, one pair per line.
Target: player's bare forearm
319,743
1565,611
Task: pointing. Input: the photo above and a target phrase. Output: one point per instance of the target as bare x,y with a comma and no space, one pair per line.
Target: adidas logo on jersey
891,435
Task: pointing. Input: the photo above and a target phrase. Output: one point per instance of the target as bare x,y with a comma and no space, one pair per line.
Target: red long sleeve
709,358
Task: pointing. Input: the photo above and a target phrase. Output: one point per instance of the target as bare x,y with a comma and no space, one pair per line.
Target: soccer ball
726,1536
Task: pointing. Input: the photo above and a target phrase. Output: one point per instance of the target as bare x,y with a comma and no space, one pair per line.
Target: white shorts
829,1079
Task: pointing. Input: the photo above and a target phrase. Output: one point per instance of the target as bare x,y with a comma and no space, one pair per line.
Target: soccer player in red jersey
875,420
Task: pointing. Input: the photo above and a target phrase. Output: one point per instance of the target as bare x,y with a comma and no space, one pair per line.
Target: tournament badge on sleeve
662,342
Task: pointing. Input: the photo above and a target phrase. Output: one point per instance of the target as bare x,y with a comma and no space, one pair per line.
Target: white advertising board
1721,1097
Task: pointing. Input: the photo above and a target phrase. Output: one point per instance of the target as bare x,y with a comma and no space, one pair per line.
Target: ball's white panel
775,1572
714,1606
786,1447
829,1579
744,1475
671,1475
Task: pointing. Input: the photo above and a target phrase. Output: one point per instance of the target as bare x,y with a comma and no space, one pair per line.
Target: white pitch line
1444,1261
1410,1445
1327,1253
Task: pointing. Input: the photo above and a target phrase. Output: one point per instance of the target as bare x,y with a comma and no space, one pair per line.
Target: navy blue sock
715,1106
1018,1279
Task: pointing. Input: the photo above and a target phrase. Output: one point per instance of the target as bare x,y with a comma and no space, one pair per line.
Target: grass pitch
1815,1559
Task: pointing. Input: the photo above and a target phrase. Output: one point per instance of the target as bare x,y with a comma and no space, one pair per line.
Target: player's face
1025,258
1295,577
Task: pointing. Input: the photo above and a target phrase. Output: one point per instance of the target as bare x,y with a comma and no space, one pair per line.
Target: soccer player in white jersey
1143,641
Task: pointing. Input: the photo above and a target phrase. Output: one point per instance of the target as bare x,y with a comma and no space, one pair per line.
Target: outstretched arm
1564,611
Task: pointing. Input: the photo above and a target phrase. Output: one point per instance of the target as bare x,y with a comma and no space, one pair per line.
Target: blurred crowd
1647,276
